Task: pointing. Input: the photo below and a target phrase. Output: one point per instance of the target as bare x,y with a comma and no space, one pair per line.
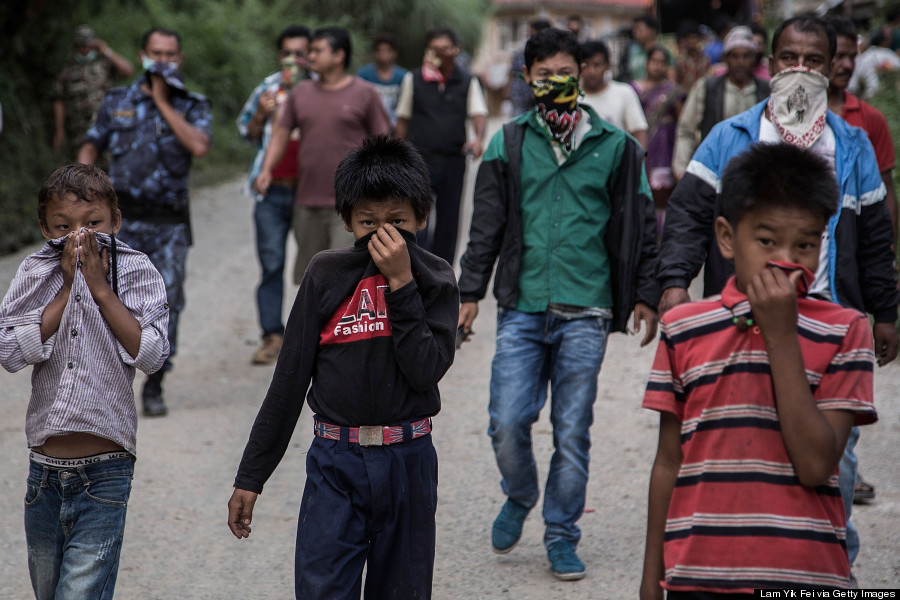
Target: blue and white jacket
860,258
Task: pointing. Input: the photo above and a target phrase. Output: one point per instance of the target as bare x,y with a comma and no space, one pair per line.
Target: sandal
863,491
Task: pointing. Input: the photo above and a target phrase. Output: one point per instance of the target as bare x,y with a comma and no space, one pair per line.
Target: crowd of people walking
595,206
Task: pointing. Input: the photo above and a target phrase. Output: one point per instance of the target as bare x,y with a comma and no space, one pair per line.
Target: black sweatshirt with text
367,356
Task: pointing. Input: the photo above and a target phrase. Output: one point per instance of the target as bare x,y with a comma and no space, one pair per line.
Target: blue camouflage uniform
149,169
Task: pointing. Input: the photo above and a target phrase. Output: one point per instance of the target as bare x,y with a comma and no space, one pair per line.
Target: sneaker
508,527
154,406
267,353
564,562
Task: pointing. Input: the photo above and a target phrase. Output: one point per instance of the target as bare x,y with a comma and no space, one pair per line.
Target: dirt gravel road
177,544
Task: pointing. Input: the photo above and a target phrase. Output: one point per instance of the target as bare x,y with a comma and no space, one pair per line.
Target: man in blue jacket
856,265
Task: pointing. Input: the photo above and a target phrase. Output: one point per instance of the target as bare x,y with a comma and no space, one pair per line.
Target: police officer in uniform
153,129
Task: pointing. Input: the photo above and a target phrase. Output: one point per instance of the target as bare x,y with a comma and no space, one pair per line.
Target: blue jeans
847,482
272,216
74,522
166,245
368,506
532,351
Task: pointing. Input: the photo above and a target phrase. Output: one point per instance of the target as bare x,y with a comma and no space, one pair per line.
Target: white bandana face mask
798,105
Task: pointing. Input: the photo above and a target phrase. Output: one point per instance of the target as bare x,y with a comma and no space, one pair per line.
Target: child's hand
773,299
240,512
94,264
388,250
69,260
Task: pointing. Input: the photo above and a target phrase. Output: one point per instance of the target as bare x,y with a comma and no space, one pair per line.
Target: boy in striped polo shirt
757,390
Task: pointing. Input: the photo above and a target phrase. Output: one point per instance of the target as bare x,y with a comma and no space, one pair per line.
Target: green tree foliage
229,46
887,100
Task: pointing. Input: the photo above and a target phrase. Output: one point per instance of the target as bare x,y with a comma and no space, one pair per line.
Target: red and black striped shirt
739,518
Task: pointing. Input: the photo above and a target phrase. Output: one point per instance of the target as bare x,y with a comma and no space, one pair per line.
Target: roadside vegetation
228,47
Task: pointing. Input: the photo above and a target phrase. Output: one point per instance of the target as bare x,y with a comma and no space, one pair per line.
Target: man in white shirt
877,59
616,103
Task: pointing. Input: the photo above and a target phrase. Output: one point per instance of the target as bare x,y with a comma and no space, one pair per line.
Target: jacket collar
748,121
598,125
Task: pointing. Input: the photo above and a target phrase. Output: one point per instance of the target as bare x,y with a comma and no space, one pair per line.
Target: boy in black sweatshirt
370,334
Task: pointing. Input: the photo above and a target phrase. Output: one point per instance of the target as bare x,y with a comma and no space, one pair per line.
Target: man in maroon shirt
858,113
333,113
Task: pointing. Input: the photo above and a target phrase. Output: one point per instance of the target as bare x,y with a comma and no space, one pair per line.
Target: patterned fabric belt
375,435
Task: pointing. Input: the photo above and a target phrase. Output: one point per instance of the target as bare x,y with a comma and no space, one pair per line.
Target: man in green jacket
562,200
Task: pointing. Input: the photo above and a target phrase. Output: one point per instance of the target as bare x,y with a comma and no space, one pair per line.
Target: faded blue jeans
847,483
74,523
534,350
272,215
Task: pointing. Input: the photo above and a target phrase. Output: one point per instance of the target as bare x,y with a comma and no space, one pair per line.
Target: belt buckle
371,435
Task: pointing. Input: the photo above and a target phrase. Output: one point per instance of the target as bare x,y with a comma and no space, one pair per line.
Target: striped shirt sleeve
665,392
847,384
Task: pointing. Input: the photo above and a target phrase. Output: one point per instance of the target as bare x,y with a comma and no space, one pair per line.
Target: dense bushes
228,47
887,100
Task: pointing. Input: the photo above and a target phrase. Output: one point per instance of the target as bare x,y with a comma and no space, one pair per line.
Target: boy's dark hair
551,42
162,31
384,38
293,31
807,24
338,39
591,48
843,27
778,176
86,182
382,168
439,32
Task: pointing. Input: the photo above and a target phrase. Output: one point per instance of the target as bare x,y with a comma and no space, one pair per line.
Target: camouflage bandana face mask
556,100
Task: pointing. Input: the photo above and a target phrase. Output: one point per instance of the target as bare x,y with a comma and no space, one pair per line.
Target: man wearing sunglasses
273,211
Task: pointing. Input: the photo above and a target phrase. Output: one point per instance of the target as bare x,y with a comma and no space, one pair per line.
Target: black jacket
496,232
374,357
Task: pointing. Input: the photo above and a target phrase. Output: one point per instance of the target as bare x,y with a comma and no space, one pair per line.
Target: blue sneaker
564,562
508,527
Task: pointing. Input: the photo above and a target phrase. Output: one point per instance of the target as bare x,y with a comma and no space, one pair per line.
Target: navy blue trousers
367,506
447,176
